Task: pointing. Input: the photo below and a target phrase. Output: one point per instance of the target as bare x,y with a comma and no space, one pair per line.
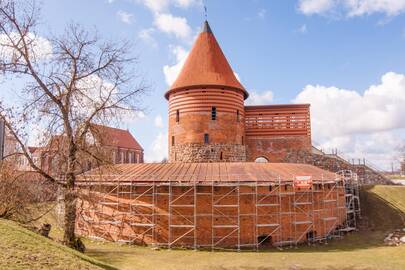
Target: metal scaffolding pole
282,214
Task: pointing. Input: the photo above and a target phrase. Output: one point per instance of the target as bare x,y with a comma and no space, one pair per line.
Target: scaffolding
352,200
215,215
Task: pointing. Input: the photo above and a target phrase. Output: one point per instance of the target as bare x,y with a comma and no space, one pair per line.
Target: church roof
206,65
116,137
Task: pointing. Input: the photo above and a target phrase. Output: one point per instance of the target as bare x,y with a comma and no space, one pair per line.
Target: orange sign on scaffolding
303,182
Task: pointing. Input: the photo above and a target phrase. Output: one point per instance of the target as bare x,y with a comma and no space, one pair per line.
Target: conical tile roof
206,65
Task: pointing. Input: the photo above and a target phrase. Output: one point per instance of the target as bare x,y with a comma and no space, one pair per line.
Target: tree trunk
69,201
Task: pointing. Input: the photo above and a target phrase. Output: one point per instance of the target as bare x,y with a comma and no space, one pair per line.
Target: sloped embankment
23,249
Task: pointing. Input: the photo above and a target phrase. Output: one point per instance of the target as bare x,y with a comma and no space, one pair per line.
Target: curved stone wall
208,153
212,215
192,130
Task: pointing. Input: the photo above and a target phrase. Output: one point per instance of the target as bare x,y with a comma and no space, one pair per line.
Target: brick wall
190,121
274,130
275,149
213,211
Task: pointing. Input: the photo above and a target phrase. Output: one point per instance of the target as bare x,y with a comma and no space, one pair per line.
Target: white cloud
94,91
171,72
158,121
125,17
352,8
379,149
128,118
170,24
358,124
379,108
309,7
157,6
262,98
40,48
363,7
159,148
187,3
146,36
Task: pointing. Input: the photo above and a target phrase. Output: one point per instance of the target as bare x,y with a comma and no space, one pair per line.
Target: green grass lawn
356,251
383,209
23,249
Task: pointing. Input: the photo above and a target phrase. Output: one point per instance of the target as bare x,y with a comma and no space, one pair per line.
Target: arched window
261,160
206,138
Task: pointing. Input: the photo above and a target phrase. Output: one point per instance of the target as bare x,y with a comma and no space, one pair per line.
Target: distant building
111,145
8,144
123,146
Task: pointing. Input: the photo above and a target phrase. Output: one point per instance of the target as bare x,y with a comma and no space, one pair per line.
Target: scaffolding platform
219,214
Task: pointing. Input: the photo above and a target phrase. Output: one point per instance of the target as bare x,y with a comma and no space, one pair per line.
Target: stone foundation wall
333,163
207,153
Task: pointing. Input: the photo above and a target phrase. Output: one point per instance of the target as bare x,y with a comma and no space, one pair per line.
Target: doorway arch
261,159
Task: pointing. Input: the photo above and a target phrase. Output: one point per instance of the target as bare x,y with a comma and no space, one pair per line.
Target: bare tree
19,191
71,81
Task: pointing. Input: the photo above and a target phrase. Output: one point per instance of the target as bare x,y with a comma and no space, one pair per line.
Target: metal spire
207,27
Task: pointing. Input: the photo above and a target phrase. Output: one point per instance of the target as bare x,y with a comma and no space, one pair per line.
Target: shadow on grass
114,256
101,264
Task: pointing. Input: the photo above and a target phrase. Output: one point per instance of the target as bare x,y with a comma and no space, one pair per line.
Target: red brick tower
206,109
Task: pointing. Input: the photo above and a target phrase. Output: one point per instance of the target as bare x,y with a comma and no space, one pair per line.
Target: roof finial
205,10
206,27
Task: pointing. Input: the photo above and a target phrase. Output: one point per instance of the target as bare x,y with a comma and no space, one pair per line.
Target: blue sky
327,52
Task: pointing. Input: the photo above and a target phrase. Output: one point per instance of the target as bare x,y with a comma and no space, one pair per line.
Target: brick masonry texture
190,118
143,214
275,149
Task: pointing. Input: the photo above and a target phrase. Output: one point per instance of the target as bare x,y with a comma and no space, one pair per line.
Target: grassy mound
23,249
383,207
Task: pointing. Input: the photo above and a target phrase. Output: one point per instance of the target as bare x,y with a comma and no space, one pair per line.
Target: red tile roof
206,172
116,137
206,65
